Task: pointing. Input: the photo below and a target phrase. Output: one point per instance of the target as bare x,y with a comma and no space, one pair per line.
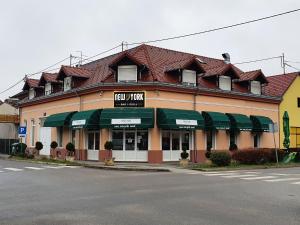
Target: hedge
220,158
257,156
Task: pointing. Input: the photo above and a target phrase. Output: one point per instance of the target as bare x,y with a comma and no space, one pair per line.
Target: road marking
54,167
218,174
72,167
282,179
13,169
280,174
213,172
258,178
238,176
34,168
1,171
296,182
253,172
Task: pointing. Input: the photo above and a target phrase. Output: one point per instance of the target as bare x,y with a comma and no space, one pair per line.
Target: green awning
130,118
239,122
86,119
179,119
216,121
58,120
261,123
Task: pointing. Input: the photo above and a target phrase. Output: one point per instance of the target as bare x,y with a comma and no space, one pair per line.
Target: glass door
93,143
130,145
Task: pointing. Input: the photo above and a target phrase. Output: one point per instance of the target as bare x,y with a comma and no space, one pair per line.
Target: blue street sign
22,131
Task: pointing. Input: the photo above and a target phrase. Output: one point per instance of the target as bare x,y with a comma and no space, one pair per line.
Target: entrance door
93,145
130,145
45,138
173,142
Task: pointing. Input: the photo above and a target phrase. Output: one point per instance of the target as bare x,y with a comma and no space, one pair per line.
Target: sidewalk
132,166
4,156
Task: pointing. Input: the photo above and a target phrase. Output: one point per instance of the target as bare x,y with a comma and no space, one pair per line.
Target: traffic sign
22,132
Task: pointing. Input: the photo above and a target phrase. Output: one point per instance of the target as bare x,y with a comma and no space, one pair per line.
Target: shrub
108,145
220,158
257,156
207,154
184,154
233,147
53,144
70,147
21,147
39,145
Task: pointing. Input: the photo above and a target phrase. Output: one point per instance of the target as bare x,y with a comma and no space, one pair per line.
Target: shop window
210,139
31,93
225,83
298,101
175,140
256,140
72,136
142,140
93,140
32,134
255,87
232,137
127,73
185,140
189,77
59,136
117,139
48,89
166,135
129,140
67,83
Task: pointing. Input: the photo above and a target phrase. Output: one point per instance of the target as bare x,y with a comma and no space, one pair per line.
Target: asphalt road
37,195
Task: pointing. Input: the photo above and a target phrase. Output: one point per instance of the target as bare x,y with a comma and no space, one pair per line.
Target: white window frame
95,133
127,76
255,87
31,93
180,132
67,83
214,140
224,86
48,89
59,136
32,133
189,77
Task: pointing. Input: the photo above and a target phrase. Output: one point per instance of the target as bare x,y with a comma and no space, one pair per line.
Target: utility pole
283,63
71,59
122,44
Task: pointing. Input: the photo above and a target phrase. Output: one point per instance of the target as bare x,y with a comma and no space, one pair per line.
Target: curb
126,168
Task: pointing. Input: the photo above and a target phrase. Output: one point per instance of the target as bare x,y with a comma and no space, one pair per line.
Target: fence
5,145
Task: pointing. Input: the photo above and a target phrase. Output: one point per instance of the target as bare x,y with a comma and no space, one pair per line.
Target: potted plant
38,147
109,160
70,151
53,146
184,162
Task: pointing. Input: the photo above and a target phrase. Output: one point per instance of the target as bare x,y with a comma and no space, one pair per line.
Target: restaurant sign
129,99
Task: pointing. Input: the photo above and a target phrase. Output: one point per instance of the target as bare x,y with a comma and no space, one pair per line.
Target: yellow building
287,86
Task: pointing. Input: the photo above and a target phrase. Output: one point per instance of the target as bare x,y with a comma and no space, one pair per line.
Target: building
152,103
9,121
286,86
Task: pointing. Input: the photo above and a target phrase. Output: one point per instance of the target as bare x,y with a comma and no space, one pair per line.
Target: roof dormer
127,68
252,81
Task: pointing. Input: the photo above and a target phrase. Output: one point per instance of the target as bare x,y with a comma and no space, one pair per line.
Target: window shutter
127,73
225,83
48,89
255,87
189,77
67,83
31,93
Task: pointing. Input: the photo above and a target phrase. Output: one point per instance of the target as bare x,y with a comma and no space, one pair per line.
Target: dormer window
67,83
127,73
255,87
48,88
189,77
31,93
225,83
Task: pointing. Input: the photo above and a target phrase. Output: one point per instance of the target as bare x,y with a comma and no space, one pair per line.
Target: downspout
80,131
195,131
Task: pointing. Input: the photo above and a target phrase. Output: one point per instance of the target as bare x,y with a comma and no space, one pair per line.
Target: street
39,194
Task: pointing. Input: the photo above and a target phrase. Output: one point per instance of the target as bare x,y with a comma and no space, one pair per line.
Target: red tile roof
50,77
76,72
221,70
253,75
279,84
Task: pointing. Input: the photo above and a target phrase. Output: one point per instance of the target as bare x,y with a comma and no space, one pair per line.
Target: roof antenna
283,64
124,45
226,57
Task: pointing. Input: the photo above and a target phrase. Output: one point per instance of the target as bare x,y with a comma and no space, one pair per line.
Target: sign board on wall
22,132
129,99
126,123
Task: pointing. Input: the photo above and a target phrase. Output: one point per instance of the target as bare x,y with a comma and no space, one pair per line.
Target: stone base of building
58,153
104,154
81,154
155,156
197,156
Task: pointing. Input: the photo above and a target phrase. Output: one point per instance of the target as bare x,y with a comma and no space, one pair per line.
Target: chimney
226,57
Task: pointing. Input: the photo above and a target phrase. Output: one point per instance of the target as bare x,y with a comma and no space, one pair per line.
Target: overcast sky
36,34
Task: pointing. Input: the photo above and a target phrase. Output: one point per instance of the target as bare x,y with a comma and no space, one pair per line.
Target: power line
257,60
215,29
292,61
298,70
